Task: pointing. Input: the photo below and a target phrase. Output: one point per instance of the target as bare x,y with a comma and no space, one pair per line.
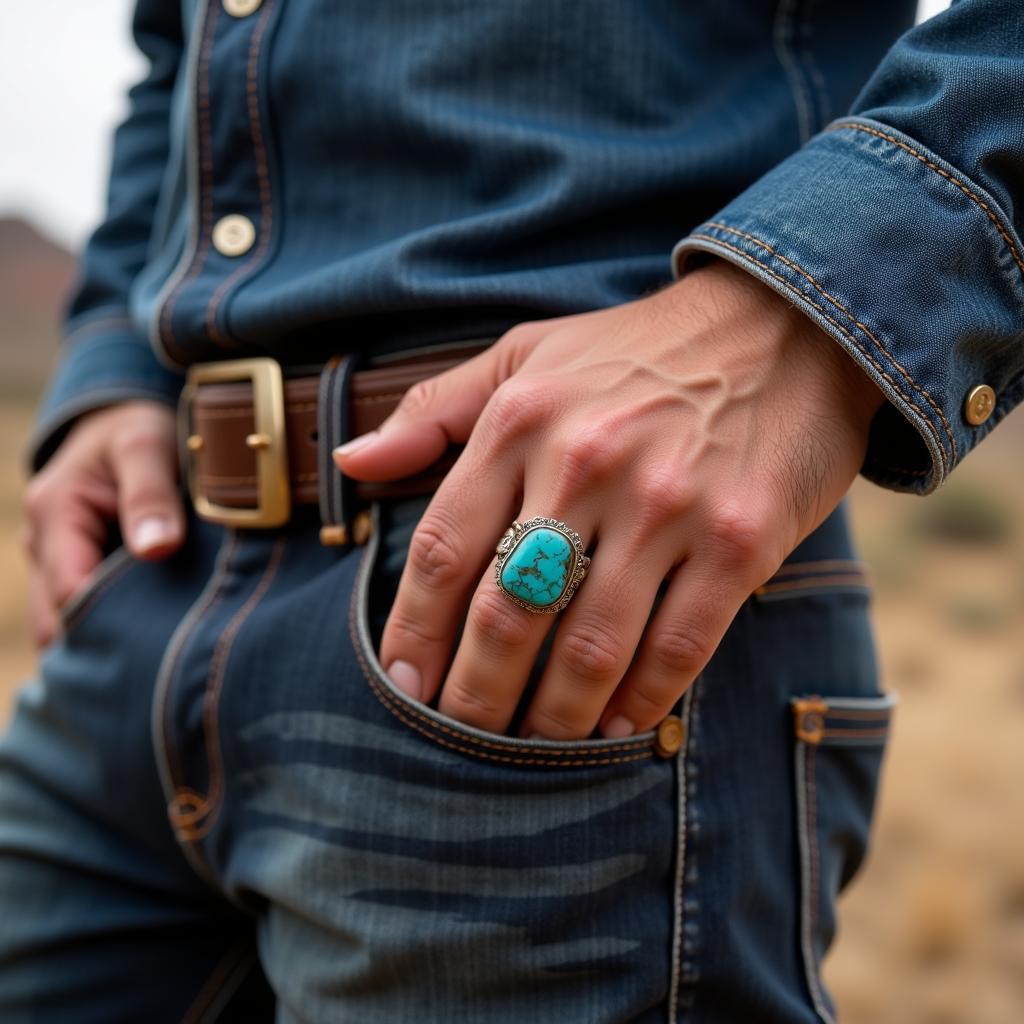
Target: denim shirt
399,172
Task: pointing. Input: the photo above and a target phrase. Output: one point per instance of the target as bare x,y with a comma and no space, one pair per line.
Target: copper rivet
669,737
361,528
812,722
333,536
258,441
980,404
194,443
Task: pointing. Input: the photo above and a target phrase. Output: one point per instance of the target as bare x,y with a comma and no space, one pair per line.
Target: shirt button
670,735
980,404
241,8
233,235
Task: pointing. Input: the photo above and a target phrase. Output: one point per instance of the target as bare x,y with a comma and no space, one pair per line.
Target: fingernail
406,677
618,727
152,532
356,443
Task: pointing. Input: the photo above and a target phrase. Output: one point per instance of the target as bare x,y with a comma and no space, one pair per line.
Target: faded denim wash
213,803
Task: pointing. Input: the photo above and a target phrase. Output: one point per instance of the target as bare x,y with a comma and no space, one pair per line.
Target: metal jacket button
980,404
233,235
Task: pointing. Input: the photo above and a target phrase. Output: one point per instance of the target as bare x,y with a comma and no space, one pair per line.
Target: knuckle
520,406
418,397
469,705
739,536
496,620
412,634
144,437
590,454
662,496
679,650
434,557
591,653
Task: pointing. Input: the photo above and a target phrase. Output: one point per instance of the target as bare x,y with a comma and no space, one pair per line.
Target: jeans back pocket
839,743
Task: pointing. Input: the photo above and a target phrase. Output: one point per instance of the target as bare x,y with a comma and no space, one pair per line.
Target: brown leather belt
255,440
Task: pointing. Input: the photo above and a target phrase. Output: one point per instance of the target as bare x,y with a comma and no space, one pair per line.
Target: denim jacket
398,172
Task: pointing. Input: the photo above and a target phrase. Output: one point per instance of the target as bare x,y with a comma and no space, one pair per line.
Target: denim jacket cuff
103,362
906,263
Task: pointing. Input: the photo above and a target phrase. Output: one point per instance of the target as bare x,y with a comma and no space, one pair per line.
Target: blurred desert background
932,932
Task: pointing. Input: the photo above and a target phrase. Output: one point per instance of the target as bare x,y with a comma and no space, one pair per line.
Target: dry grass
933,930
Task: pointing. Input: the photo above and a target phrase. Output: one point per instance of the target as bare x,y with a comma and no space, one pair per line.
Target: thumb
149,503
433,413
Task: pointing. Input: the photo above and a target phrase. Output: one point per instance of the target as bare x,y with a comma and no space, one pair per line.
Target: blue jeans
214,806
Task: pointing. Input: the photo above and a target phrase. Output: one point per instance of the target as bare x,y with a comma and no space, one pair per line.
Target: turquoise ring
540,564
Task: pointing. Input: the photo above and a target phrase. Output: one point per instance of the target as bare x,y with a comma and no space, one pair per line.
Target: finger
68,545
437,411
701,601
596,639
451,546
42,615
501,641
149,503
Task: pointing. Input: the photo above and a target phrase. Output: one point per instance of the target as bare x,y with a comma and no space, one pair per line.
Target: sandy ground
932,932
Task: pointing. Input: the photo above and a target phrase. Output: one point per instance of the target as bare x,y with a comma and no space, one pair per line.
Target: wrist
785,335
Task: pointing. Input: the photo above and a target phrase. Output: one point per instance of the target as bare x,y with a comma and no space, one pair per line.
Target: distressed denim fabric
423,170
215,806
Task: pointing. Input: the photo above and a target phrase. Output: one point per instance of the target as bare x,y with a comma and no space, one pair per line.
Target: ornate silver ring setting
540,564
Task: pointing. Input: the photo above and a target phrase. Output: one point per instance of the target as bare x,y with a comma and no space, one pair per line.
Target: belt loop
338,517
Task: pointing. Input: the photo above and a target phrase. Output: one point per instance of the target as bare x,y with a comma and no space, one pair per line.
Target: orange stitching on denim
212,600
203,117
859,579
408,715
788,568
262,176
210,805
973,196
835,323
104,323
857,323
214,984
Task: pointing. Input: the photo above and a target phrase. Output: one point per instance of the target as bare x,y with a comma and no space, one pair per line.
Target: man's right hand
119,463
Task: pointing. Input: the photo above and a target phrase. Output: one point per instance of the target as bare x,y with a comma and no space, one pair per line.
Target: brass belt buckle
268,441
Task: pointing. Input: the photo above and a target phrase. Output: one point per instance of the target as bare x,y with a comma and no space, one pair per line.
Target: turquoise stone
537,568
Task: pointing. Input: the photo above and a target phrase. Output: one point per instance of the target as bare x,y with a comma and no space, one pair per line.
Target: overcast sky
64,69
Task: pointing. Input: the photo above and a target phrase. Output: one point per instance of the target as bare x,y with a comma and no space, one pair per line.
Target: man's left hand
697,434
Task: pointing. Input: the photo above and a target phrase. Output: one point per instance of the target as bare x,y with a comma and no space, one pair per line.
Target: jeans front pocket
99,581
839,744
457,736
